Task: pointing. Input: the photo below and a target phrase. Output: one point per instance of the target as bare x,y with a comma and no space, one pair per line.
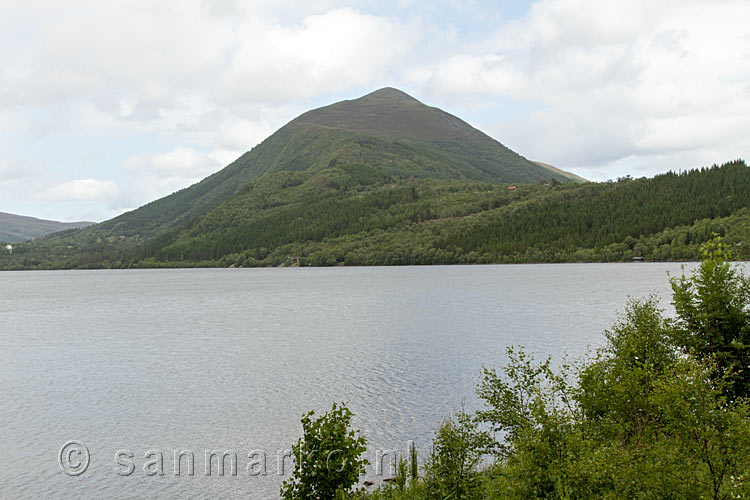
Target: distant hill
18,228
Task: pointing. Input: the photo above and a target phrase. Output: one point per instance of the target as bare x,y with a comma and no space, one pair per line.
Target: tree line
348,213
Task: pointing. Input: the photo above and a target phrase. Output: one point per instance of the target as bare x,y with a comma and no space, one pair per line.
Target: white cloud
82,190
13,171
598,86
323,54
238,133
469,75
186,163
147,61
149,177
664,82
188,77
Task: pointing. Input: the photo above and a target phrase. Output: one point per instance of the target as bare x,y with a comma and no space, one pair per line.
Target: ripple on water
230,359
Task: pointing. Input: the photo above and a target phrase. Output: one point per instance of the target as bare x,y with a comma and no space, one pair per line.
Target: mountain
354,214
386,129
377,163
18,228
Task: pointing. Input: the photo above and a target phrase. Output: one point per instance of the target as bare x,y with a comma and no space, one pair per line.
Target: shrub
457,450
328,458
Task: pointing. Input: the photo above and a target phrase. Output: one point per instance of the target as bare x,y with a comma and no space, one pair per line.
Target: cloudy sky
105,106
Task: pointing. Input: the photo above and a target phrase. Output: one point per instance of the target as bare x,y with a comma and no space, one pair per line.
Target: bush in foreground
328,459
660,411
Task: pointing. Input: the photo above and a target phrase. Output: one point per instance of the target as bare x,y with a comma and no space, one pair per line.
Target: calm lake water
206,359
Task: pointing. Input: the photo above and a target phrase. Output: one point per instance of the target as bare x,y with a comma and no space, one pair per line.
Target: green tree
413,464
708,438
328,457
654,414
531,409
527,395
713,315
614,389
457,450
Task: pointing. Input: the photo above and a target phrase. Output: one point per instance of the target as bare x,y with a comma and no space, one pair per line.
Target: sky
105,106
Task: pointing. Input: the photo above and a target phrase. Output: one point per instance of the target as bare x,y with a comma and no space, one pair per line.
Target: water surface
228,359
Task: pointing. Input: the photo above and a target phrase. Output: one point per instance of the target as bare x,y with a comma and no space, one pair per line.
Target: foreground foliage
328,458
713,316
658,412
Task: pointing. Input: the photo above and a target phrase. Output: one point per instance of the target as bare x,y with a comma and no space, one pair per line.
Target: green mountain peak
382,143
389,113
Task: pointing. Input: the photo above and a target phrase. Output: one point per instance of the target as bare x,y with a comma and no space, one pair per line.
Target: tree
614,389
413,464
531,408
328,459
708,438
457,450
713,315
527,395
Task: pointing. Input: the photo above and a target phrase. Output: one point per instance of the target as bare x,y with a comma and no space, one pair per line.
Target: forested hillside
354,214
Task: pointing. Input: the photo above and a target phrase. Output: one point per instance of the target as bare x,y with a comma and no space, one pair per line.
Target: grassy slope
317,194
18,228
352,213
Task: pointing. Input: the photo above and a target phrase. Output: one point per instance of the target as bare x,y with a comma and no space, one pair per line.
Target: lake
137,365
